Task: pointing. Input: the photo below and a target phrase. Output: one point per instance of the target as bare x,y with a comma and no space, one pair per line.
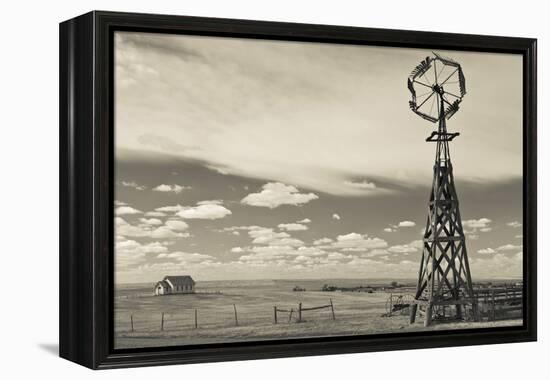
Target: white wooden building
175,285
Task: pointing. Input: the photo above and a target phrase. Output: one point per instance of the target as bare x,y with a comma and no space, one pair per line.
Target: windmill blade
452,109
421,68
427,117
447,61
461,82
411,87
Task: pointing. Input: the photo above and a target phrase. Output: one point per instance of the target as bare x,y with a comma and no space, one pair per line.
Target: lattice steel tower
437,86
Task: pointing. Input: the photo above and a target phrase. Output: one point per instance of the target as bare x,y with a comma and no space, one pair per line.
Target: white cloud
323,241
477,223
204,211
473,227
275,194
355,249
133,185
164,232
126,210
502,248
365,185
155,214
406,223
211,202
124,245
151,221
337,256
355,240
176,225
406,262
120,203
292,227
237,250
264,254
123,228
402,249
514,224
310,251
417,244
509,247
169,231
376,252
175,208
266,236
336,217
171,188
497,265
304,221
186,257
389,229
276,255
131,252
486,251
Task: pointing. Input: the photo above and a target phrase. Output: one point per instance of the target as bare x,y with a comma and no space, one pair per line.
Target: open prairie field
354,312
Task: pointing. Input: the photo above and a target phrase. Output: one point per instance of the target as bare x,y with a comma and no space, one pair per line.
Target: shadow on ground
51,348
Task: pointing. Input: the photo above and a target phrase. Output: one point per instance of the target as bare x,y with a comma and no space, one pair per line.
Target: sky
254,159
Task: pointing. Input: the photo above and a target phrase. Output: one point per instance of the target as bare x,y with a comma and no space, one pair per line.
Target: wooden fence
300,310
499,303
494,303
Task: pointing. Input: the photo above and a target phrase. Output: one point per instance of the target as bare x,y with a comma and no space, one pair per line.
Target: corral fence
300,311
502,302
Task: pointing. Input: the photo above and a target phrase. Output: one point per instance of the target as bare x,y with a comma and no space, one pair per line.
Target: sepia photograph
269,189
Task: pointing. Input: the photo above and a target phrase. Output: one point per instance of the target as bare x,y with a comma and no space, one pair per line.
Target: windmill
437,86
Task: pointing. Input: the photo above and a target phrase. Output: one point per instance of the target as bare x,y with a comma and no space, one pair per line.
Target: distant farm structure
175,285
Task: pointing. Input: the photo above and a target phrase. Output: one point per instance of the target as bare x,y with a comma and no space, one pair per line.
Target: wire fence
226,317
494,303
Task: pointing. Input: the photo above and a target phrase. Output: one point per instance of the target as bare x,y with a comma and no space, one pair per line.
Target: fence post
236,320
300,312
493,304
391,304
275,314
162,322
332,308
132,321
290,315
196,321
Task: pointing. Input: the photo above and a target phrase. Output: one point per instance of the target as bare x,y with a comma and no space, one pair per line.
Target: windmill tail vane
444,286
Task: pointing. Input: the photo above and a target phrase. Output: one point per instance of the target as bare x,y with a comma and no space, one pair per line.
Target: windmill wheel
437,86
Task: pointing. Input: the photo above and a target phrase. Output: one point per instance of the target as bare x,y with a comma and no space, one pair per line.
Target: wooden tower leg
458,311
475,310
413,313
428,319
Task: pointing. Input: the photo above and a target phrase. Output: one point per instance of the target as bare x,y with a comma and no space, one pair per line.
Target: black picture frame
86,189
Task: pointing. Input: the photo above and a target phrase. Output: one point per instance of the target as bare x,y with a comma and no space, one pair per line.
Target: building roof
163,283
179,280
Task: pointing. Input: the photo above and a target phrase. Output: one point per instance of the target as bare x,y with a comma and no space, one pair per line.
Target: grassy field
356,313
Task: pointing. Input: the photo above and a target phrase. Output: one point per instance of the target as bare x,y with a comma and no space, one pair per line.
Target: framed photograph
238,189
